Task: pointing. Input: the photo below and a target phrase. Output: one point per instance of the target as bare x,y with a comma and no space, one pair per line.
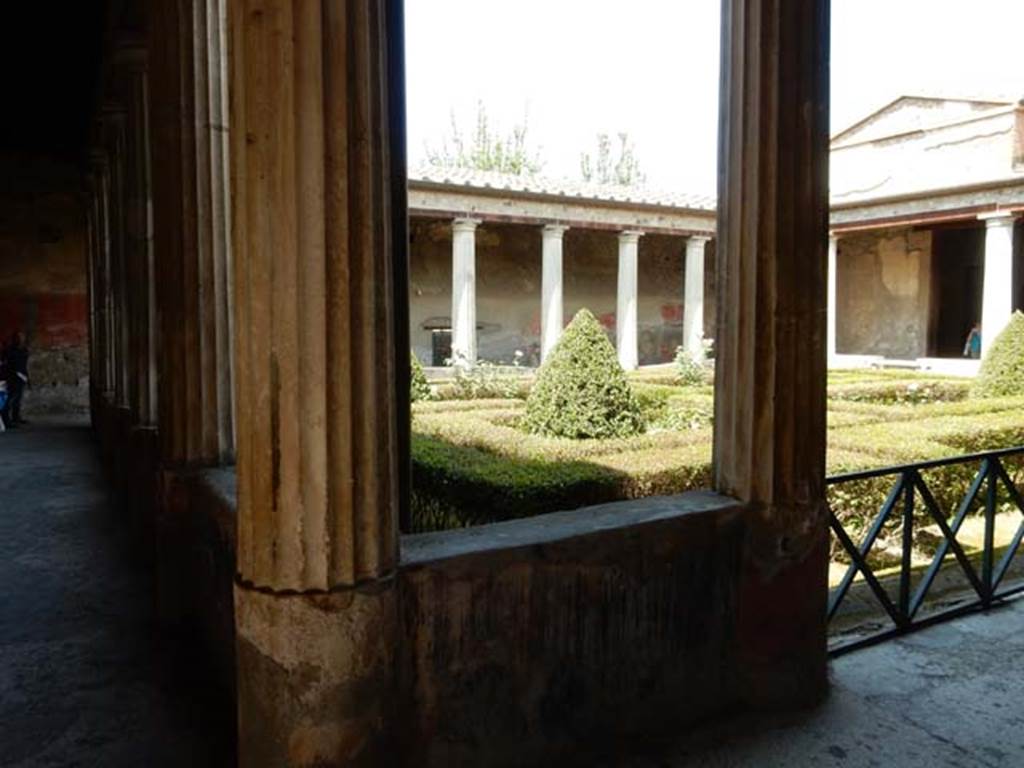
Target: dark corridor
957,274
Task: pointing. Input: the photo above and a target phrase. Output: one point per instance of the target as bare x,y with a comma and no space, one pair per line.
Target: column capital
465,224
554,229
630,236
999,218
698,238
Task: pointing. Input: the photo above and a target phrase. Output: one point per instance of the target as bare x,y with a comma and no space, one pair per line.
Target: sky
575,68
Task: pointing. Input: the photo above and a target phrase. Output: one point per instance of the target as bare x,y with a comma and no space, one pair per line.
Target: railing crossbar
909,484
865,547
869,576
949,542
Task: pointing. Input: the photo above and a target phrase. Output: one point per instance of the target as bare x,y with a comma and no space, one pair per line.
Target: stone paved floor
84,680
948,696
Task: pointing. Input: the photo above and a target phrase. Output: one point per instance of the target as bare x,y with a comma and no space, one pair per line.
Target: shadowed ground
86,678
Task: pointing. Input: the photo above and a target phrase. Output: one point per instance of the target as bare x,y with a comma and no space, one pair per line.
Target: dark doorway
957,271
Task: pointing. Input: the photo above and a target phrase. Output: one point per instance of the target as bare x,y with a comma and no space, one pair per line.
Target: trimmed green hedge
1002,370
473,463
581,390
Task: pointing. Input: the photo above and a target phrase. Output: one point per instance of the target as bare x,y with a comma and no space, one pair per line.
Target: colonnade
302,254
997,281
464,270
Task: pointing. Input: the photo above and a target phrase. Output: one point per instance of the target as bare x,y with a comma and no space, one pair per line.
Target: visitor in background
15,366
972,347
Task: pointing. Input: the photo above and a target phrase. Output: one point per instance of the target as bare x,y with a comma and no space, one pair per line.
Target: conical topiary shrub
581,390
419,387
1002,370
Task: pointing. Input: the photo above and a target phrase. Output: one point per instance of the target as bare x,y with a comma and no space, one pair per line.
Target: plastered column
693,302
315,604
551,312
997,295
833,243
626,303
464,290
769,431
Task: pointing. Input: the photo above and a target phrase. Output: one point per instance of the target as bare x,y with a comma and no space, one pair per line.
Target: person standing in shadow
15,367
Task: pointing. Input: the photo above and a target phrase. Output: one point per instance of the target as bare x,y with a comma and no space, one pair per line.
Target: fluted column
191,225
464,349
693,302
103,303
113,137
134,88
997,291
317,462
551,312
626,304
769,441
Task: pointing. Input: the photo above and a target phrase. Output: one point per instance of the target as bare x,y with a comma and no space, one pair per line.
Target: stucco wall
883,292
508,275
43,279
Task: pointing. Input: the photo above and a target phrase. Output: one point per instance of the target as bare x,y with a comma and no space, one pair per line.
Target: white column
551,316
997,297
693,300
464,289
833,242
626,308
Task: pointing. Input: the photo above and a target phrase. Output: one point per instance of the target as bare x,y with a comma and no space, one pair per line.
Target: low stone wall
554,639
537,641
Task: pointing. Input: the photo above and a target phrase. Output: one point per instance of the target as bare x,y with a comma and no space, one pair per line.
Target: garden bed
472,464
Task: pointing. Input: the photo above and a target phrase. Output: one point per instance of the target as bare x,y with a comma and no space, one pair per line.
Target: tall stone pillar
315,603
113,121
833,247
464,290
551,312
769,431
191,223
104,302
693,303
997,294
131,63
626,303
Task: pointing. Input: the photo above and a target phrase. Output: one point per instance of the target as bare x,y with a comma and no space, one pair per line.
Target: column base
316,677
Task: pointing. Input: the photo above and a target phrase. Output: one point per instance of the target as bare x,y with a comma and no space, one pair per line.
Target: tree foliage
621,167
1002,370
487,149
581,390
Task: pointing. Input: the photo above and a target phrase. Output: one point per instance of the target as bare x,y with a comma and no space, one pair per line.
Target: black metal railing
909,488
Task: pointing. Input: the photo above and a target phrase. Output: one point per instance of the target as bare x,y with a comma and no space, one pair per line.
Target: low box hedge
472,464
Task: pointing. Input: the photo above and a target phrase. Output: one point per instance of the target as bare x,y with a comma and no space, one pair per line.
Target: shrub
689,371
1002,370
483,380
419,388
914,392
581,390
